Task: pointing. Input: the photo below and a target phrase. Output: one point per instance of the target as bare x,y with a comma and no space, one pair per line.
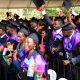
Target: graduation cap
4,21
34,37
67,4
7,13
39,3
58,18
20,20
40,22
67,27
2,26
16,16
33,19
13,24
24,31
77,18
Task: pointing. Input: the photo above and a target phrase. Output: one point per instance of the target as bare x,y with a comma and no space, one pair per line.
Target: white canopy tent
29,3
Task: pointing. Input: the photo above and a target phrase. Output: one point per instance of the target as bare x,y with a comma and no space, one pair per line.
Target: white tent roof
29,3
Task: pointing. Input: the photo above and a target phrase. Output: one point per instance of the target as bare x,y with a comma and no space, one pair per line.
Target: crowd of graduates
28,48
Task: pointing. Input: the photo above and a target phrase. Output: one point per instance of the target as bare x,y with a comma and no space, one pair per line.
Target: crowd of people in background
28,48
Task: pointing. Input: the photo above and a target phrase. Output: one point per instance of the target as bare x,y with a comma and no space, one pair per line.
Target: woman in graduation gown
34,62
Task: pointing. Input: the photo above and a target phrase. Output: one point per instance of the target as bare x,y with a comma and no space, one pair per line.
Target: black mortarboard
24,31
20,20
67,3
39,3
16,16
77,18
40,22
13,24
2,26
33,19
34,37
7,13
67,26
4,21
58,18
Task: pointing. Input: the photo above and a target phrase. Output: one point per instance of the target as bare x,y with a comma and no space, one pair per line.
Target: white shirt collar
3,35
71,35
59,30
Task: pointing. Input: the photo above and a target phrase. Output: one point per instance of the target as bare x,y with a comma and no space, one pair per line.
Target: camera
7,51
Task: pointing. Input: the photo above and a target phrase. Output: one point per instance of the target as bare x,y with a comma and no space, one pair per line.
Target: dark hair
44,29
60,21
7,13
24,31
13,25
2,27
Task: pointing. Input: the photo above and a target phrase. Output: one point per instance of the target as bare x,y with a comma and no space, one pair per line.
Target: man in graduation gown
12,28
3,35
71,41
30,45
56,35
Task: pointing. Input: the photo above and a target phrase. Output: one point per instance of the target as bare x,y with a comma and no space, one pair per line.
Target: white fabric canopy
30,4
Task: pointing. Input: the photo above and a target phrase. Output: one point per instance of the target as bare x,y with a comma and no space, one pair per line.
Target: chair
52,74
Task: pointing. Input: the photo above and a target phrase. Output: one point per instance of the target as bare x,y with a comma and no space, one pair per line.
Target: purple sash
22,54
39,61
72,43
